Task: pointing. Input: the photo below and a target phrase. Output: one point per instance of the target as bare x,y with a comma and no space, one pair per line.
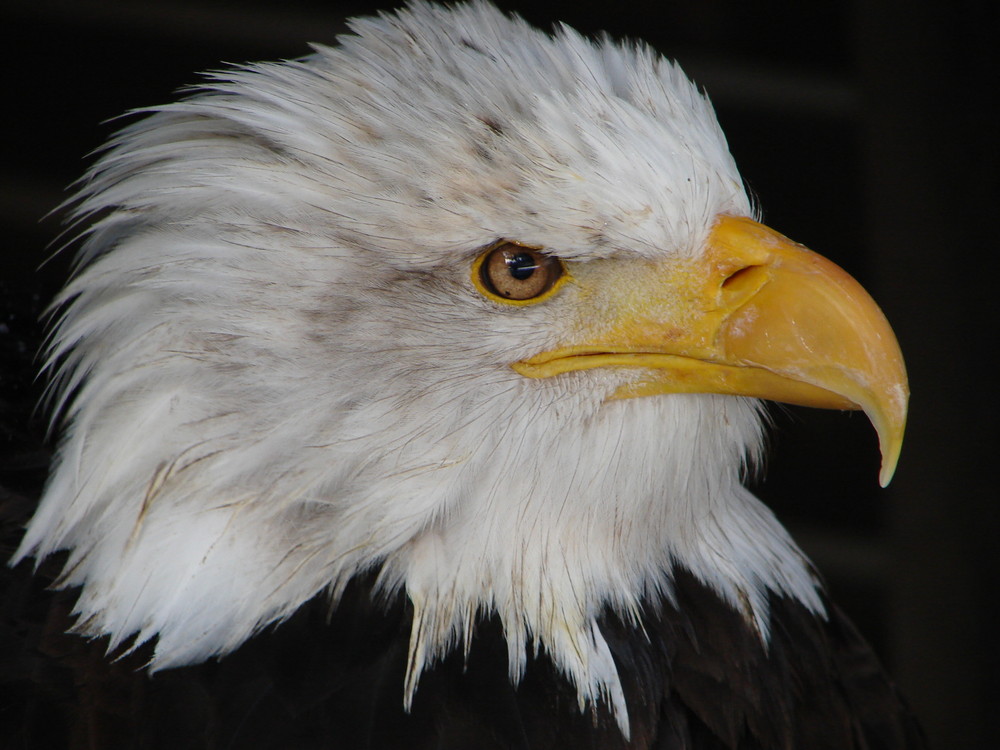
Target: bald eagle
438,356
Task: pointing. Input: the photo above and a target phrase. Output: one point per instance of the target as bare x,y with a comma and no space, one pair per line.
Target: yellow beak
755,315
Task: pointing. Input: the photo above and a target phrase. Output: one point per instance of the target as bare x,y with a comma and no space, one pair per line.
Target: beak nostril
748,277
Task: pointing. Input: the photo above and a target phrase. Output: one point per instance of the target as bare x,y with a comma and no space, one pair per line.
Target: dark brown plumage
695,676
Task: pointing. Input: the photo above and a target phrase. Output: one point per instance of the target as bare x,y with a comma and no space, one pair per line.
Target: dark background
862,128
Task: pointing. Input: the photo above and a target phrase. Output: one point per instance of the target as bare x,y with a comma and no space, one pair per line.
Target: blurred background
861,128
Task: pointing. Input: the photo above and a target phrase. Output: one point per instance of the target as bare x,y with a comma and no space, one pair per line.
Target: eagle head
482,309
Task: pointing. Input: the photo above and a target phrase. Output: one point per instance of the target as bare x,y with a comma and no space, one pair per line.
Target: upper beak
755,315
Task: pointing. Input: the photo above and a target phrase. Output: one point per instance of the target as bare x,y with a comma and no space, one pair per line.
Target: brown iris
518,273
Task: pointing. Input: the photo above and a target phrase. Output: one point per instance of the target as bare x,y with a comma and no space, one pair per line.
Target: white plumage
276,372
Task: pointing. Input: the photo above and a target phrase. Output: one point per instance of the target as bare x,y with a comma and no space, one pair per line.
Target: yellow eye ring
516,274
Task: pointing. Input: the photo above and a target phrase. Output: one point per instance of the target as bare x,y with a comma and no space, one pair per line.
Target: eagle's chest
694,676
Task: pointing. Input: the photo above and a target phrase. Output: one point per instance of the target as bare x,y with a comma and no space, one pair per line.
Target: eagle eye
515,273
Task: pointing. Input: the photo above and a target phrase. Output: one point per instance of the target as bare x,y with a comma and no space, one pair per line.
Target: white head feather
277,373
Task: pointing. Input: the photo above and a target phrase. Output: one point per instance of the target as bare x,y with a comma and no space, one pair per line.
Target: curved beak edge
755,315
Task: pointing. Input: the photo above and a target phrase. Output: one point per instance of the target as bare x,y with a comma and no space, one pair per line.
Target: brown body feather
695,677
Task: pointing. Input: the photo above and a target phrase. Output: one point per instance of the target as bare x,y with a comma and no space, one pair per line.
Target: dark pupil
521,266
